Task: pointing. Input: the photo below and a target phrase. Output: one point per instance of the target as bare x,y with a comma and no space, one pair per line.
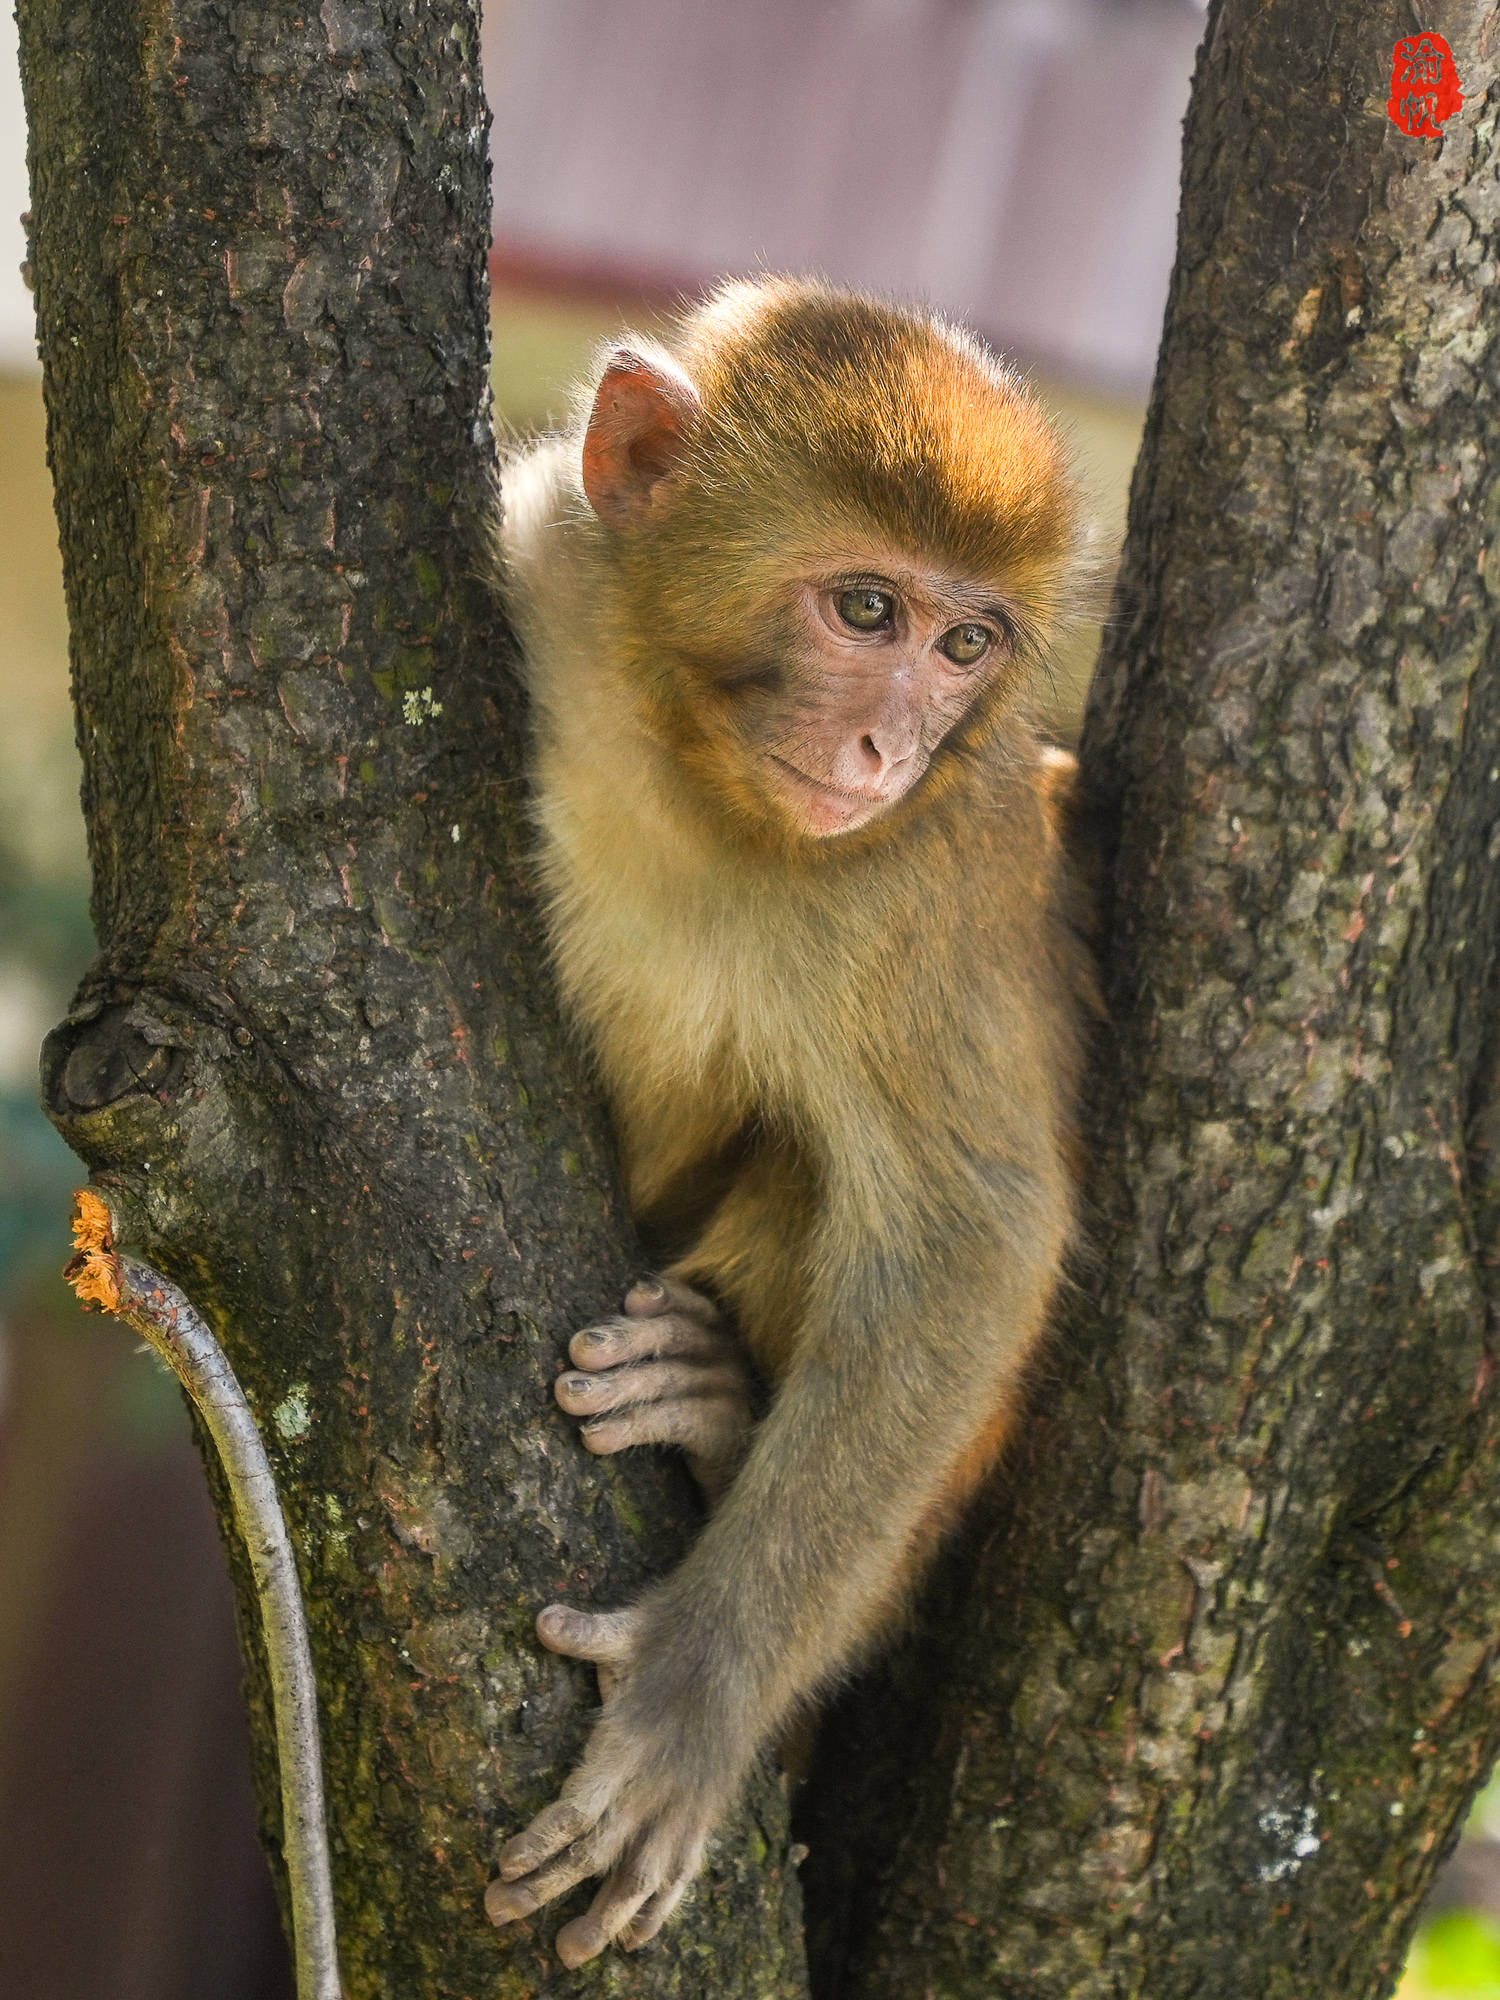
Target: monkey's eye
866,608
966,643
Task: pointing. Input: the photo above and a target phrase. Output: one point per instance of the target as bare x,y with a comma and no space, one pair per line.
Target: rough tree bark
1218,1683
1215,1673
316,1066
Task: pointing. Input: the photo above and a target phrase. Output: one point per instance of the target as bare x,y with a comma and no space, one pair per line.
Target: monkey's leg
666,1371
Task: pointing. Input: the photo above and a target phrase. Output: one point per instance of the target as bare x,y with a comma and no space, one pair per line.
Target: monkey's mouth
825,808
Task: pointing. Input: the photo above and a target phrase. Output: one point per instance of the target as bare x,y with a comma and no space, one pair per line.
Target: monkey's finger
679,1334
507,1900
611,1910
655,1911
649,1297
607,1638
555,1828
646,1382
709,1426
572,1817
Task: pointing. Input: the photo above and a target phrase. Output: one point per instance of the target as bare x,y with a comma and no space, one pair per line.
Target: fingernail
575,1951
578,1385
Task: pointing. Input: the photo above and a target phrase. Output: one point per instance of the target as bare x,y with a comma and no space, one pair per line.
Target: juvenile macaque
782,595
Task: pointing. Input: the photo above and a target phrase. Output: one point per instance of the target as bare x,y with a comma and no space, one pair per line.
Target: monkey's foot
630,1812
666,1371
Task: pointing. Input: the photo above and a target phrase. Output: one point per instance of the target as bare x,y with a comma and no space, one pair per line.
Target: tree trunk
1215,1690
1203,1692
317,1067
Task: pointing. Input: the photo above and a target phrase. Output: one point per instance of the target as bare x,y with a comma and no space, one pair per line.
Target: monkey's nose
881,758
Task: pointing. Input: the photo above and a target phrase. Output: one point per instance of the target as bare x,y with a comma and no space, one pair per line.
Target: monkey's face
882,661
834,534
818,686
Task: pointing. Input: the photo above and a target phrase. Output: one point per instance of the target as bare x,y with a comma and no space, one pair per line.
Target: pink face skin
888,662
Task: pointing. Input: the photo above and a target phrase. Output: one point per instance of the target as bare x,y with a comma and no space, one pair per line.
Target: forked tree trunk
1201,1696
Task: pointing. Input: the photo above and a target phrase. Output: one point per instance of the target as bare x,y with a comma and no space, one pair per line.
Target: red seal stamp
1424,86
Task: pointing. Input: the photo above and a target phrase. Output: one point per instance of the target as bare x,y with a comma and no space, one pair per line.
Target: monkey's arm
916,1329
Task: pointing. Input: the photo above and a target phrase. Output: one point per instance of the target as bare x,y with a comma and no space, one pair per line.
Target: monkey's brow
856,579
965,600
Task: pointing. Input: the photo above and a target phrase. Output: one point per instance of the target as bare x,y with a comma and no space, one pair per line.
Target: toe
609,1913
654,1912
648,1298
603,1637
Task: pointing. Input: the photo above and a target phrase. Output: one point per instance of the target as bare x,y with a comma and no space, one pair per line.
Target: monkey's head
841,531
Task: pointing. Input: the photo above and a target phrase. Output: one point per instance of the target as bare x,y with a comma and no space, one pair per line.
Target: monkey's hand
655,1780
666,1371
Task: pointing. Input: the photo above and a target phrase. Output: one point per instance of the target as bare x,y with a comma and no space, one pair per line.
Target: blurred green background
124,1801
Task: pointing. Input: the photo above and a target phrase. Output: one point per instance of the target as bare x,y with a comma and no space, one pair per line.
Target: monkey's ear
637,433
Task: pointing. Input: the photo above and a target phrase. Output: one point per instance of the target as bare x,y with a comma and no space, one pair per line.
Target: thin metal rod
162,1315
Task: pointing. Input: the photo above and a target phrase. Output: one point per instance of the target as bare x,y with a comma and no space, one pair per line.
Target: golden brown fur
843,1071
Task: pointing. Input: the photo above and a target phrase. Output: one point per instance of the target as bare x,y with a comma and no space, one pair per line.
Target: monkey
782,593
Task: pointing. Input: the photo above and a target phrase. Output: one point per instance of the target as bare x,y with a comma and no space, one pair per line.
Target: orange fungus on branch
94,1269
